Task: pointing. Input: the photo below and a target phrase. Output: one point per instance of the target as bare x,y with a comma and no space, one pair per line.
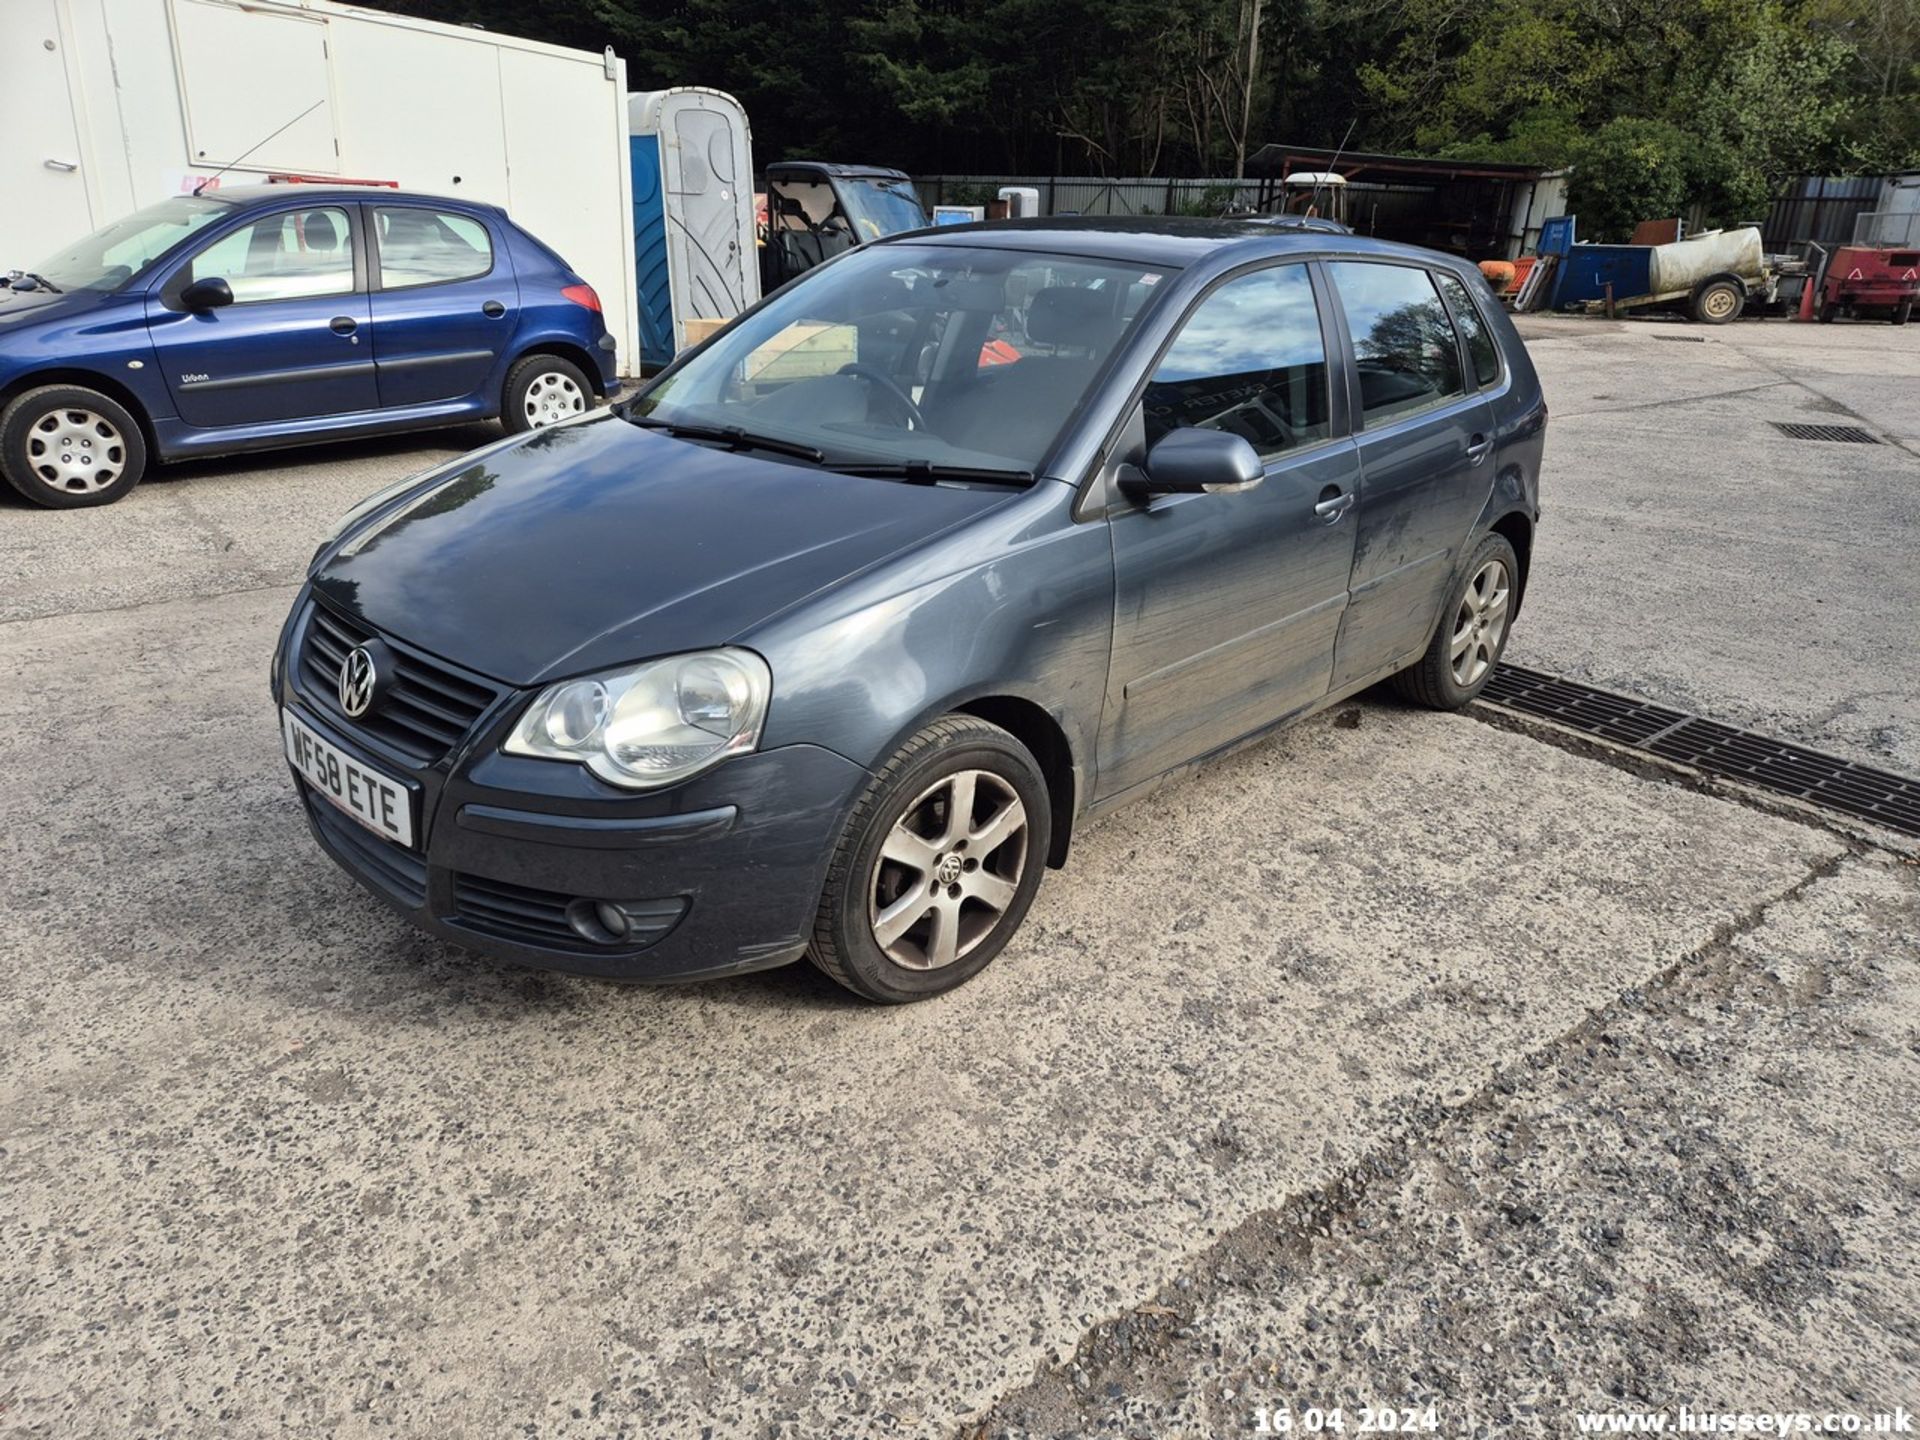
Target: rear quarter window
1473,329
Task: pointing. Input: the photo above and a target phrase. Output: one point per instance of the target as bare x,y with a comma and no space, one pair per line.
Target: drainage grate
1850,434
1824,780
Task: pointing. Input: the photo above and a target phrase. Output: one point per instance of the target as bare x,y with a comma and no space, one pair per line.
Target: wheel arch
1516,528
1034,727
107,385
561,349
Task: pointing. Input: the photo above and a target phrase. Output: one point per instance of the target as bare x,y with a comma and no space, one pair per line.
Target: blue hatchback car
272,315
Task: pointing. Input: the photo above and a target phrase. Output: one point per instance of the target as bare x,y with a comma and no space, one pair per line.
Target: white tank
1685,263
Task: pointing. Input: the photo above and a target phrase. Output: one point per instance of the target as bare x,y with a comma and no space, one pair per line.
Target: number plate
383,805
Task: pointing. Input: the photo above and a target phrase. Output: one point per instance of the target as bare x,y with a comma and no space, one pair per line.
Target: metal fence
1821,209
1893,228
1081,195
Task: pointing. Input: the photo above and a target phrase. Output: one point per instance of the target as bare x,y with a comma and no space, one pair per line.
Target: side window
429,247
293,255
1249,360
1409,359
1473,325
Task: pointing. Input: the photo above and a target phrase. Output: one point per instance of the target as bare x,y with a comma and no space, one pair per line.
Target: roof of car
261,194
827,167
1151,239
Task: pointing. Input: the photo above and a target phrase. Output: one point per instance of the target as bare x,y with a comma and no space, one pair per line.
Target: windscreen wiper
15,276
929,472
732,436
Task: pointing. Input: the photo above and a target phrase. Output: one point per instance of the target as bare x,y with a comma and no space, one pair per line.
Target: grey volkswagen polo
826,643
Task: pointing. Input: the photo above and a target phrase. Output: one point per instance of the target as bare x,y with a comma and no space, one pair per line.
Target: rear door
1226,607
1424,440
445,303
293,345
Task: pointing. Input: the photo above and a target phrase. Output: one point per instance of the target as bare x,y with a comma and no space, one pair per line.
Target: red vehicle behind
1860,277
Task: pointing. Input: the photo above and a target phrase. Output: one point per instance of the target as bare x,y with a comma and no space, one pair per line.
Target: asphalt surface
1404,1056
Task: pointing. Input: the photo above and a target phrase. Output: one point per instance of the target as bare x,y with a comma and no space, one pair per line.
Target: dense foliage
1657,102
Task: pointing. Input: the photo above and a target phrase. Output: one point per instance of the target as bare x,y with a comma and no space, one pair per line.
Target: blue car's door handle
344,325
1477,449
494,309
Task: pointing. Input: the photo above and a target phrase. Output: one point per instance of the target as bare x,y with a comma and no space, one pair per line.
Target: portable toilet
693,236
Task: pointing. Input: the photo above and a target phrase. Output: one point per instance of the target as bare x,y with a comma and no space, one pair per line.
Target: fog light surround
599,922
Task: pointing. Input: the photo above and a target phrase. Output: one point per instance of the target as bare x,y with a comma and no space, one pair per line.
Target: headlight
653,724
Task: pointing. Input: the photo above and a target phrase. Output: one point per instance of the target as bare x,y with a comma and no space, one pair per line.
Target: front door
445,306
1424,441
294,344
1226,607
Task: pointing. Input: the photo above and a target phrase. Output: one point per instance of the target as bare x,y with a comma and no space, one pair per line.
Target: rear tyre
1828,309
1717,302
938,864
65,447
543,390
1472,632
1903,311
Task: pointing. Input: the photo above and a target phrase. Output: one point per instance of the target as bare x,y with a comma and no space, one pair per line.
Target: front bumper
717,876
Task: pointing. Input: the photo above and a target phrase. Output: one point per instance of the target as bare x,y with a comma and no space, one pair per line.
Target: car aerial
827,642
258,316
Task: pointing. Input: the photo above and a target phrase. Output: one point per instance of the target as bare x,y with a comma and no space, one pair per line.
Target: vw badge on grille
357,681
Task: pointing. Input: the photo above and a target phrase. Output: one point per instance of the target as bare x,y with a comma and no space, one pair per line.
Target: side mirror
208,294
1192,461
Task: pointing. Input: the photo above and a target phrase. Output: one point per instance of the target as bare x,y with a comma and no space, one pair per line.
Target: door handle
64,166
494,309
344,325
1334,502
1477,449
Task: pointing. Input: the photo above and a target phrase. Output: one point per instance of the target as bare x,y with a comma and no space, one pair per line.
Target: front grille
1879,796
401,873
424,713
539,917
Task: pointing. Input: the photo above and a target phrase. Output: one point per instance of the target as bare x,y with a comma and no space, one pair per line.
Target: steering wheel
891,386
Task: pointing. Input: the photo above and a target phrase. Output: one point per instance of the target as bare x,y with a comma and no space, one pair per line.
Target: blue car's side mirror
1192,461
208,294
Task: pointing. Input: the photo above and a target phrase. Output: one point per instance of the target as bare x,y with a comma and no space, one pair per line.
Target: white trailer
108,105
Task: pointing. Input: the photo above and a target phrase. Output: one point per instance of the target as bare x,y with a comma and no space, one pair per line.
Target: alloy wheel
948,870
1480,623
77,452
552,397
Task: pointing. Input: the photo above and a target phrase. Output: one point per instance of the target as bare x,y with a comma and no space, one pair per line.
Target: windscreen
883,207
110,257
943,354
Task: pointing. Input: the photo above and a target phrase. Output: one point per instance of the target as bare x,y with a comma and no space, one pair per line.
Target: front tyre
65,446
938,864
543,390
1472,631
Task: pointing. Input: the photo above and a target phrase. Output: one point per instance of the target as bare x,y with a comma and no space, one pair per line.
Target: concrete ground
1478,1067
1696,556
